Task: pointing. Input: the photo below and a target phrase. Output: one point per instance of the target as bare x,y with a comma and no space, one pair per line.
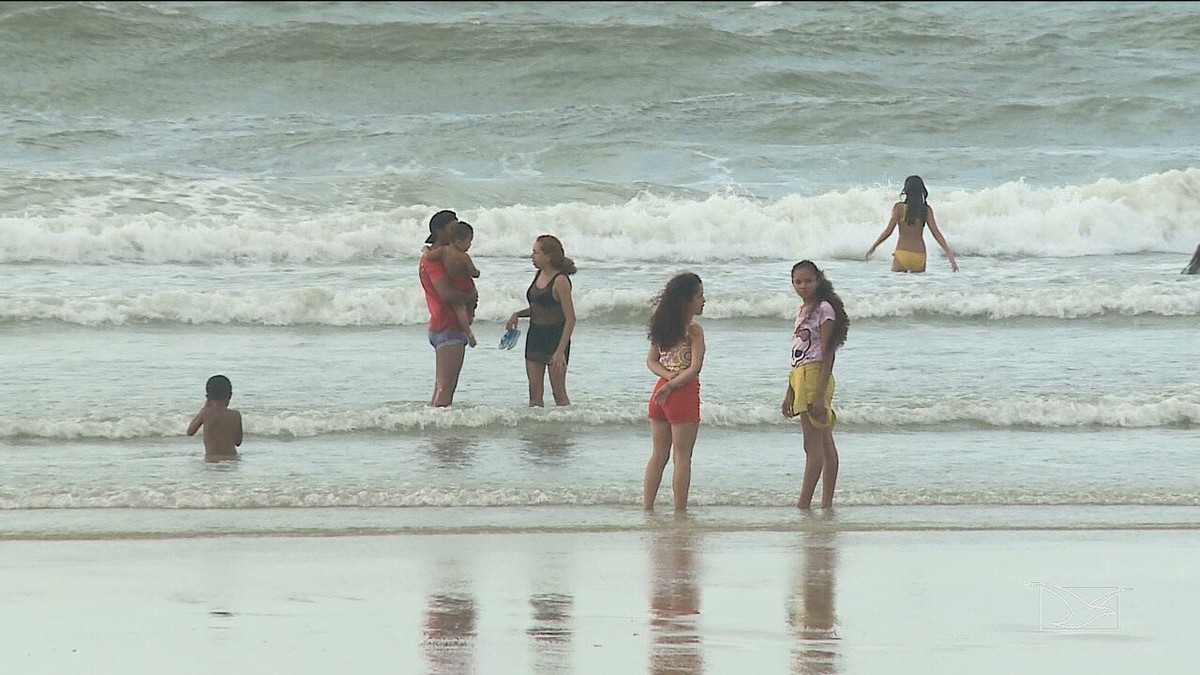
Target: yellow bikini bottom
910,261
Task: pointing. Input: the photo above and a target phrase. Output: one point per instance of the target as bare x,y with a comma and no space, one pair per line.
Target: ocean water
243,188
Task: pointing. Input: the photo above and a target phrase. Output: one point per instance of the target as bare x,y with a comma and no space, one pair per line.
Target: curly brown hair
667,325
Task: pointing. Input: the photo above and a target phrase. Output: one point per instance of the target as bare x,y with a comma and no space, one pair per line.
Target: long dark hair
914,195
841,320
552,247
667,328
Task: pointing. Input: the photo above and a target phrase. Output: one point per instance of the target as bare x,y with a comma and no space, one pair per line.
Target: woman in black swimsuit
1193,267
551,314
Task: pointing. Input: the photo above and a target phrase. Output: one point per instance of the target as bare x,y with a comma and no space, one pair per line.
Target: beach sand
671,598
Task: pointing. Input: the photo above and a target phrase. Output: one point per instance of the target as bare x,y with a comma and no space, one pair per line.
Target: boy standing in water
222,425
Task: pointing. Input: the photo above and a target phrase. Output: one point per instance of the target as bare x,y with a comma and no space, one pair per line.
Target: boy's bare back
222,430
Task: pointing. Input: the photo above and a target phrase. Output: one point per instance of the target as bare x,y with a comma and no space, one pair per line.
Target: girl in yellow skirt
821,327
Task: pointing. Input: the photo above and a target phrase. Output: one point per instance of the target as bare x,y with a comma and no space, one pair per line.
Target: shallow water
198,188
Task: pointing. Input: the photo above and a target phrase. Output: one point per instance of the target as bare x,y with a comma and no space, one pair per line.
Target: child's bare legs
814,461
464,321
536,372
683,440
660,442
830,472
558,385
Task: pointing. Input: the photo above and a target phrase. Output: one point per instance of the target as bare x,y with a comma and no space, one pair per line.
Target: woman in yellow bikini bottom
908,261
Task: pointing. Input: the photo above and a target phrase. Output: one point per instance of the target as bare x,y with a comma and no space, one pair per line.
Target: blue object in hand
510,339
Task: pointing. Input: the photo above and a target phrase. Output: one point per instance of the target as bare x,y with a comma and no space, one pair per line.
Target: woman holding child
551,314
445,333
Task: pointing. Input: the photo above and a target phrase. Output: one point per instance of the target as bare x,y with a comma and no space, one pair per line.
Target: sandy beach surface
671,598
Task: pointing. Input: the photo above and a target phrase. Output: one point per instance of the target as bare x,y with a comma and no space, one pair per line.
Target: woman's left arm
562,293
937,235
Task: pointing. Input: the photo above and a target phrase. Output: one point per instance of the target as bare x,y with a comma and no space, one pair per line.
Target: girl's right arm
893,220
789,402
512,318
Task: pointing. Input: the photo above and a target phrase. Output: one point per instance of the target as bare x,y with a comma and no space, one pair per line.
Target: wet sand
671,599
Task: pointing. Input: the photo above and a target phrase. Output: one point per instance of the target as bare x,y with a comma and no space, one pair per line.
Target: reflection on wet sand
675,601
450,631
811,613
551,444
551,632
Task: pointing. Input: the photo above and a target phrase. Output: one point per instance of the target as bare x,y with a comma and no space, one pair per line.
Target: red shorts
682,405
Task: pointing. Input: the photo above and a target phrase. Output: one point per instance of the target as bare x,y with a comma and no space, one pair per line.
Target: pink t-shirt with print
806,339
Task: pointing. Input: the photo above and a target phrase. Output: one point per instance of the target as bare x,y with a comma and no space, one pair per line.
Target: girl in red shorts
676,356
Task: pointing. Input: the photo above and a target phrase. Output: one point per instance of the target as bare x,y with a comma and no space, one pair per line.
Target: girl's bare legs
683,438
814,461
830,472
536,372
660,442
558,385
